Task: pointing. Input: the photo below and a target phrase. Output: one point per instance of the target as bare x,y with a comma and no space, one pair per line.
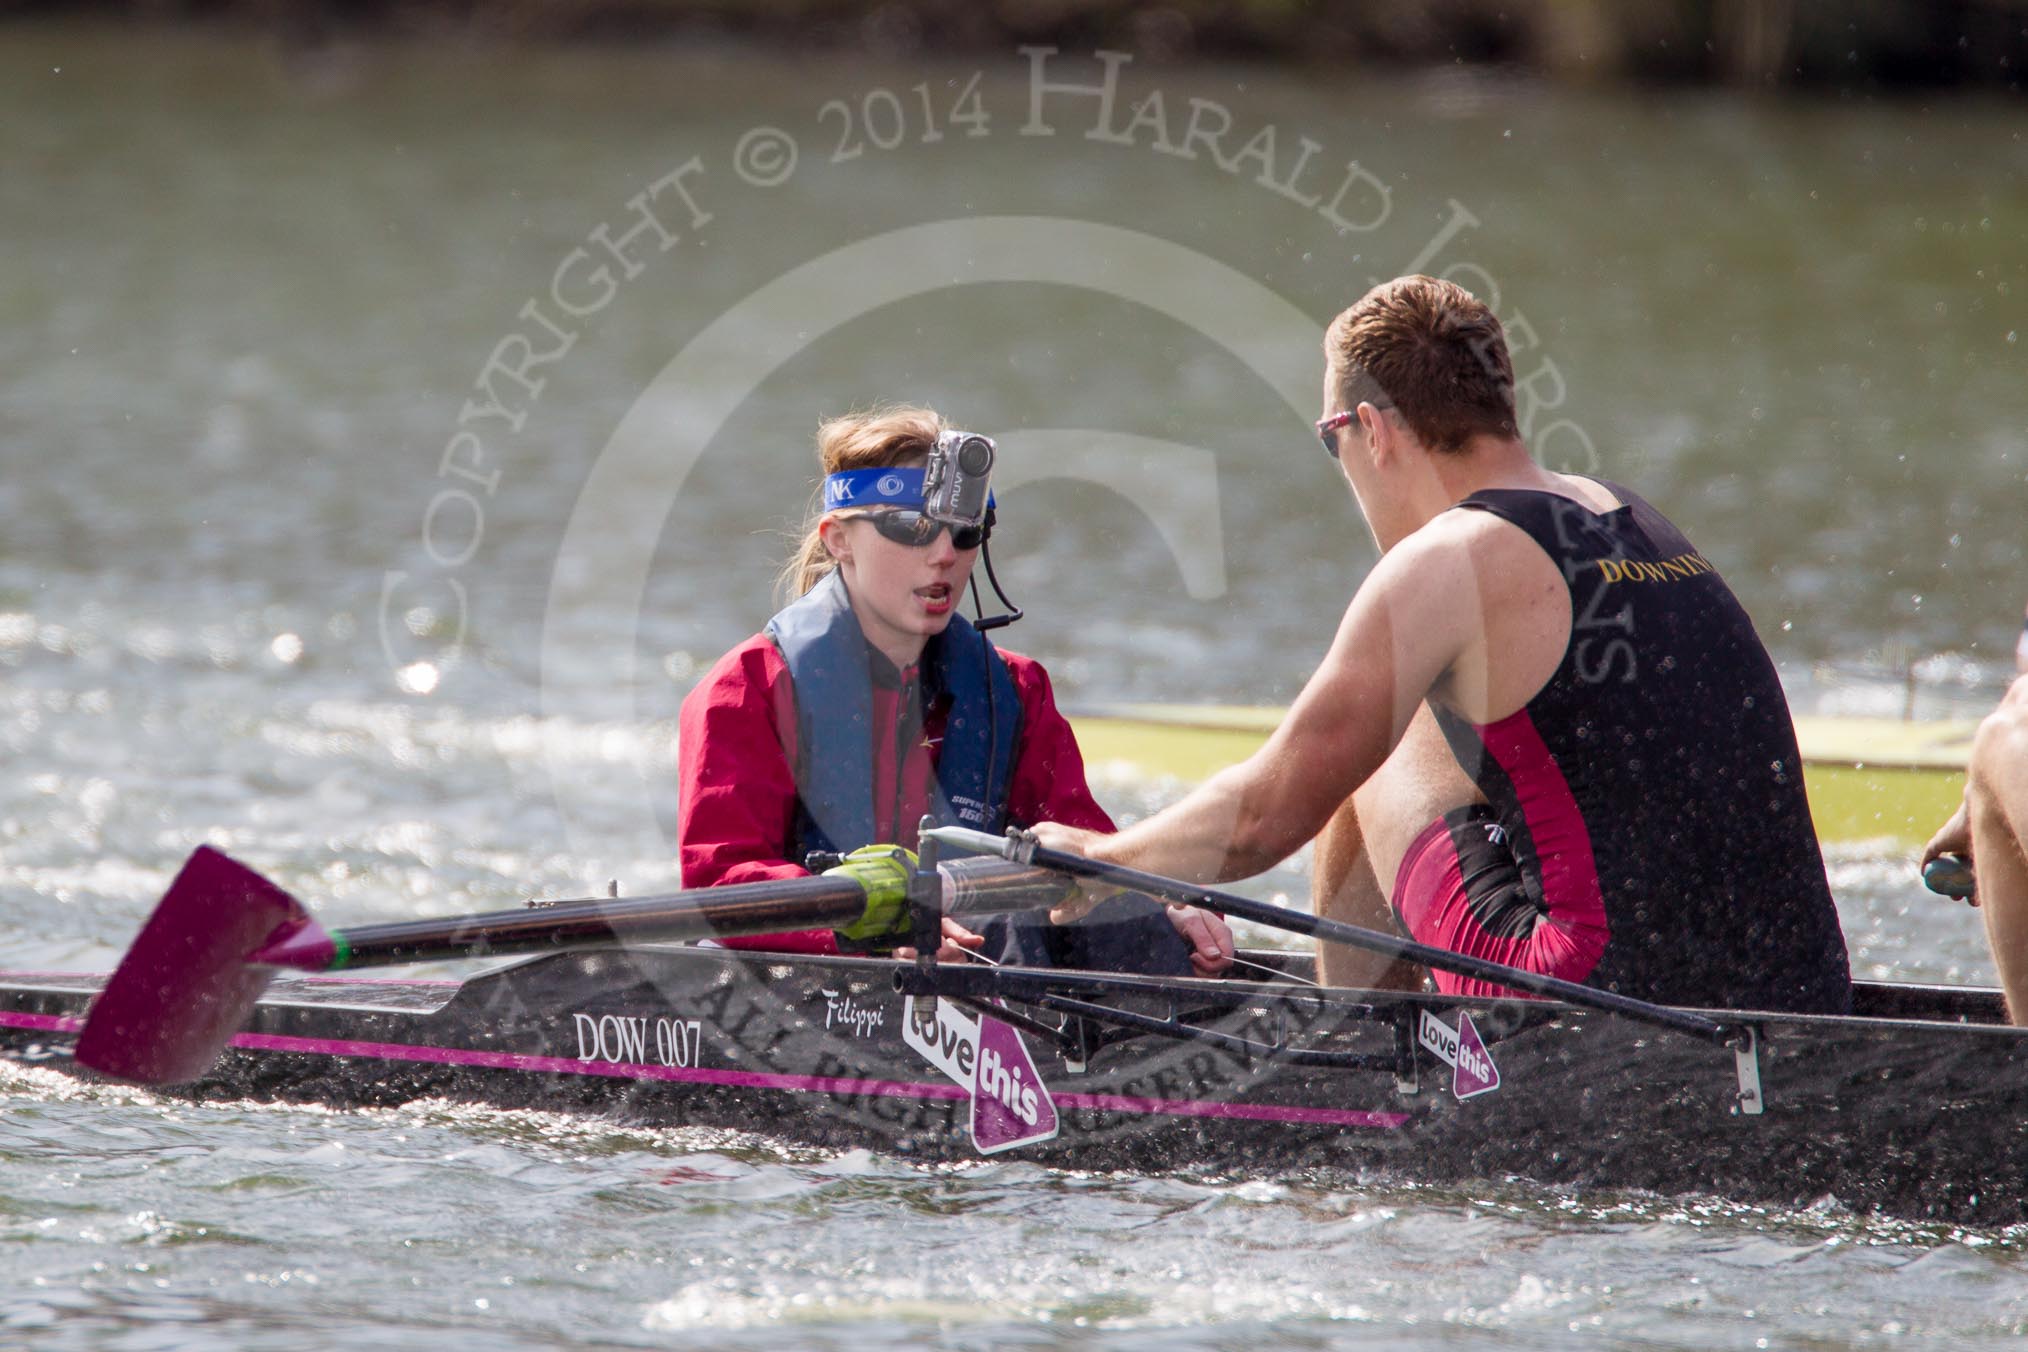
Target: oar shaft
704,913
1333,931
975,887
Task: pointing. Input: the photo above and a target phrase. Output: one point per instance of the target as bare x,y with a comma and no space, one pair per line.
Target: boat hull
1909,1116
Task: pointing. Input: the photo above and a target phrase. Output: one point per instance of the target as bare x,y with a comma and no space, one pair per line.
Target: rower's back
1653,783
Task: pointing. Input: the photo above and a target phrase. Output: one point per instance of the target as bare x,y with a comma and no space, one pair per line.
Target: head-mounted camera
957,482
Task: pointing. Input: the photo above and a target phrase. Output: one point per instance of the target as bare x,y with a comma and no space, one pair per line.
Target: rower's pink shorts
1461,888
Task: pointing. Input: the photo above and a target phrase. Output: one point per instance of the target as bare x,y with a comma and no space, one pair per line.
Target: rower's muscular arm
1409,623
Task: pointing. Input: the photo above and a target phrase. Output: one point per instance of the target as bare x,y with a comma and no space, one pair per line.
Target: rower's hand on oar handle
1209,937
1947,859
1075,840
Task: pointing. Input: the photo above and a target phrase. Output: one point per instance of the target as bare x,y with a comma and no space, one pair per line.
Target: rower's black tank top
1656,778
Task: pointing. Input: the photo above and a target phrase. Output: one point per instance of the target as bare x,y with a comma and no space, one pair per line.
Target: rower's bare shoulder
1490,561
1474,540
1461,568
1428,558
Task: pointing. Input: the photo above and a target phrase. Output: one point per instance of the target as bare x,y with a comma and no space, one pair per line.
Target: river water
372,495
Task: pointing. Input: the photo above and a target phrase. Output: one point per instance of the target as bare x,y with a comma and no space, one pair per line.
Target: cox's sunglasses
918,529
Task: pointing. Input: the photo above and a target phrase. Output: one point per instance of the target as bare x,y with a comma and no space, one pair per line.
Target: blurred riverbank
1854,47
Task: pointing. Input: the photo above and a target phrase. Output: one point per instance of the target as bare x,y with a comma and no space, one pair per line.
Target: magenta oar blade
186,986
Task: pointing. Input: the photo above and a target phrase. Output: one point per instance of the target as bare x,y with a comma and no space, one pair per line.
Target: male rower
1546,733
1989,830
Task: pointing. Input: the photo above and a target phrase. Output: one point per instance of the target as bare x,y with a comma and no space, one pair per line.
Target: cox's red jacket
736,753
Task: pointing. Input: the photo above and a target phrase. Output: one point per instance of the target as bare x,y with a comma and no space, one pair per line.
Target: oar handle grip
1951,876
1024,849
1017,846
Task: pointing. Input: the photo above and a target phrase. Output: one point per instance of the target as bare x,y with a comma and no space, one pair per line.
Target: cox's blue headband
873,487
880,487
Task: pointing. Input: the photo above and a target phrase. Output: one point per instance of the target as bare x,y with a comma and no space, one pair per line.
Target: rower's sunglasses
918,529
1327,428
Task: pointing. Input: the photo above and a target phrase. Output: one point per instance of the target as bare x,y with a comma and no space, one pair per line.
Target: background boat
1869,778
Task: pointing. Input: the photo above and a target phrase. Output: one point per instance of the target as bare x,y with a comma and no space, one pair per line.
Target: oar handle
1950,875
1023,849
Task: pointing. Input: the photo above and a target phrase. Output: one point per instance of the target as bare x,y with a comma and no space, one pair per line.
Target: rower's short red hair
1432,350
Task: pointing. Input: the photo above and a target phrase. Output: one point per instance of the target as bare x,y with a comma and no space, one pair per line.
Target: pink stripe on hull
570,1065
817,1084
47,1023
747,1079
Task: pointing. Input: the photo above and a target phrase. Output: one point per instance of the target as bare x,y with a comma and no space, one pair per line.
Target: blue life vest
827,654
